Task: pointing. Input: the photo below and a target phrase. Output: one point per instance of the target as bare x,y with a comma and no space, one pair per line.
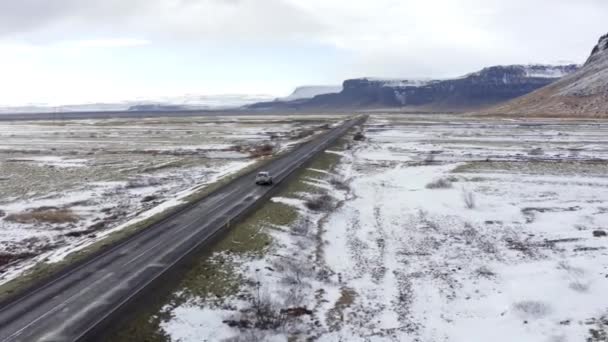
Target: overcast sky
71,51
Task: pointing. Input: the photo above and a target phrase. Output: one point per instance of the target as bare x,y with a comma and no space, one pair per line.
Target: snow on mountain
549,71
185,102
308,92
486,87
396,82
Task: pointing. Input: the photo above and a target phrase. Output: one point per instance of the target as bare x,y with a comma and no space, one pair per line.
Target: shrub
532,309
439,184
359,136
469,198
319,203
339,184
262,150
578,286
484,271
429,159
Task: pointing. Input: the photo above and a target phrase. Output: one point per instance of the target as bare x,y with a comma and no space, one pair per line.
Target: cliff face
599,50
486,87
583,93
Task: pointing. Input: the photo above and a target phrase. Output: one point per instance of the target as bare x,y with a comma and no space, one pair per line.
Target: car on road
263,178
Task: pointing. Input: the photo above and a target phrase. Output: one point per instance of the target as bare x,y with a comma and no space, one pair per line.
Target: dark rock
296,312
149,198
599,233
242,323
76,234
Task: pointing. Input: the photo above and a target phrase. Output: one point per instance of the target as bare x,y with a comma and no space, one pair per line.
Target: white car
263,178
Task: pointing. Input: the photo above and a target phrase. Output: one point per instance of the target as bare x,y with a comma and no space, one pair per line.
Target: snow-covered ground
67,184
438,229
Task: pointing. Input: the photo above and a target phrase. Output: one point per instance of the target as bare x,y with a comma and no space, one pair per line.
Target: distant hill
484,88
155,108
583,93
308,92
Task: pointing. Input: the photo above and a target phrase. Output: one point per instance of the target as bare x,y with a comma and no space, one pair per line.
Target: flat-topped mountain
483,88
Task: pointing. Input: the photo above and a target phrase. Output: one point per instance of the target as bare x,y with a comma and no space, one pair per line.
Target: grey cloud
47,20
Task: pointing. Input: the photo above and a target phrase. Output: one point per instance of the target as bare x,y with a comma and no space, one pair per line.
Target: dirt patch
44,215
7,258
262,150
335,316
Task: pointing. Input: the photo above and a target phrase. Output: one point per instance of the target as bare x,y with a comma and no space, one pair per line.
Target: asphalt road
69,307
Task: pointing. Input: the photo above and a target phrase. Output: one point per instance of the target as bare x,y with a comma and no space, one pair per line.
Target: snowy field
66,184
434,228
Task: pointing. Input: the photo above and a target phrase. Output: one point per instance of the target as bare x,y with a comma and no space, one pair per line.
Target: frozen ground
436,229
67,184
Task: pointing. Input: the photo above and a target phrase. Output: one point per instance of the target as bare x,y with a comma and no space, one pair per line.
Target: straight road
71,306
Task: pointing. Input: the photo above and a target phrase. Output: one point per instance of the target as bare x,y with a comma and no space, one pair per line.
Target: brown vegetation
262,150
44,215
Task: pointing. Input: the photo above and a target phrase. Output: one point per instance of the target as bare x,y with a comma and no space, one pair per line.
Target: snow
15,233
544,71
104,175
395,82
54,161
403,262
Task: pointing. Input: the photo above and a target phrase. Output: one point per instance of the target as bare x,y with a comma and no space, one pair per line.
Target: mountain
156,108
308,92
583,93
483,88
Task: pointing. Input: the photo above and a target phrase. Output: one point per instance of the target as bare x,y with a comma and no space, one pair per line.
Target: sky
75,51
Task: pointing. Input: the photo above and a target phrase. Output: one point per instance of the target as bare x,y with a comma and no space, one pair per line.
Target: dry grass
262,150
469,198
44,215
439,184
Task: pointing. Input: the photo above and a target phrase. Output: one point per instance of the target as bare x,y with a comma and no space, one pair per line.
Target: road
71,306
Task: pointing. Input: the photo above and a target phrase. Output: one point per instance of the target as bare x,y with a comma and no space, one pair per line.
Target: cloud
160,42
105,43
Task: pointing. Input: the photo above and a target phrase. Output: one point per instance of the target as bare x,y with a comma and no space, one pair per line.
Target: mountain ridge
485,87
